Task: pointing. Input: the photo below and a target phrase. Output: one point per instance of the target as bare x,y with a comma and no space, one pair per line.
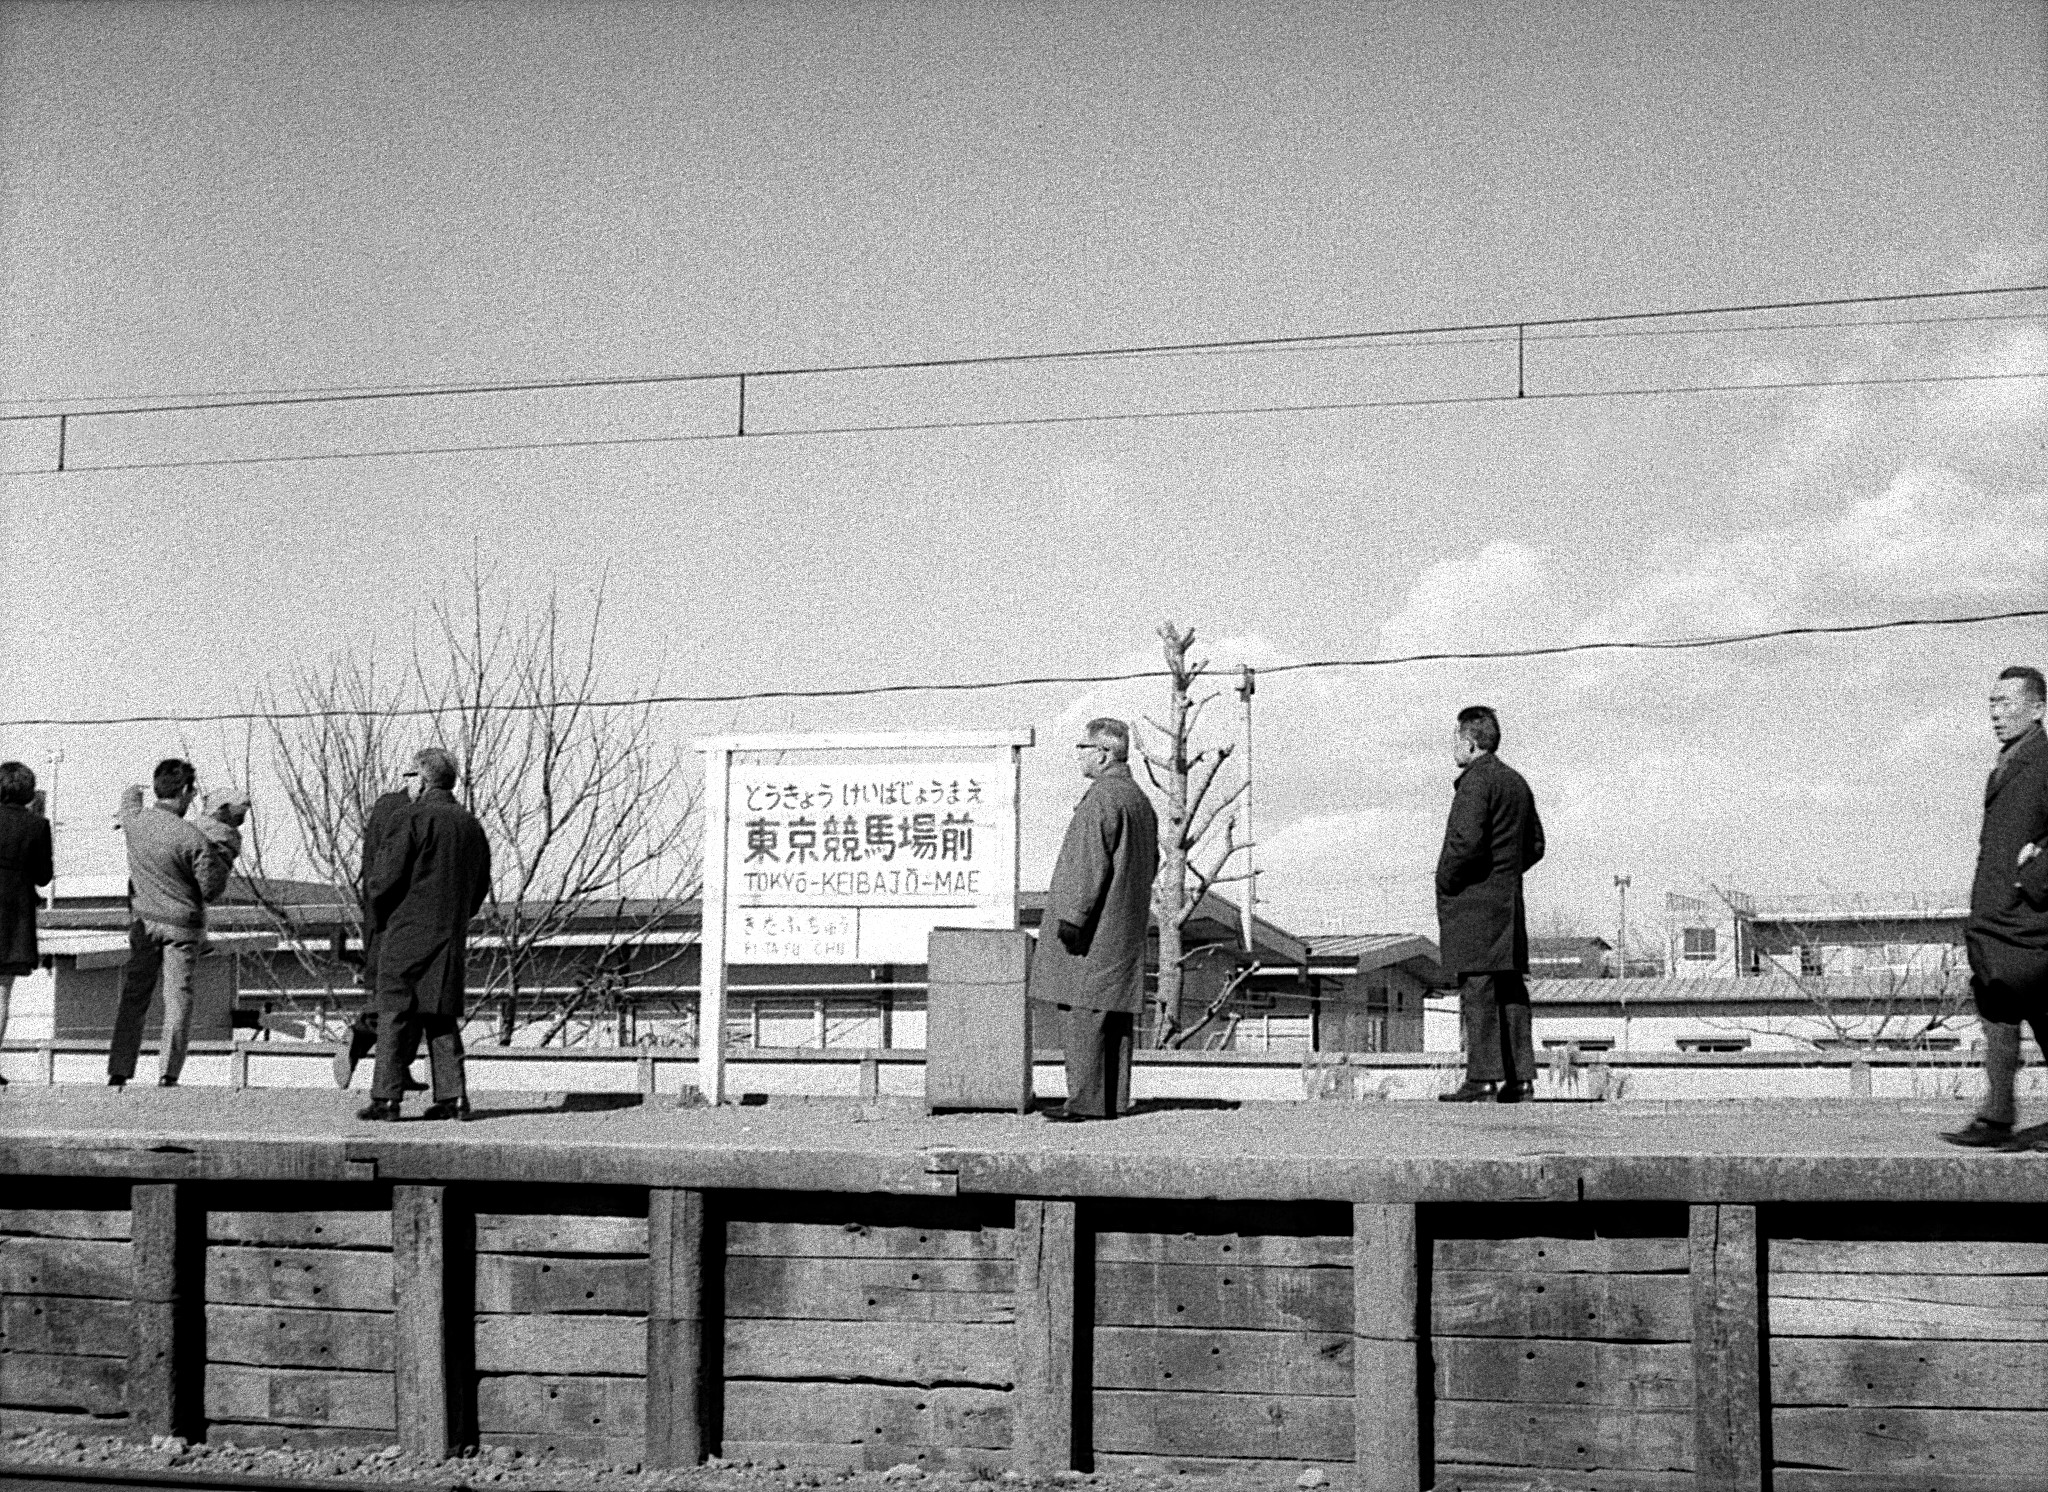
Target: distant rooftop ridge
1829,906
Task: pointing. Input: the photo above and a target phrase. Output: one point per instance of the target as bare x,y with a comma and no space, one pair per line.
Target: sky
224,198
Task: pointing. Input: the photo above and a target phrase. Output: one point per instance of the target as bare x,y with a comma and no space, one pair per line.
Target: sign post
814,862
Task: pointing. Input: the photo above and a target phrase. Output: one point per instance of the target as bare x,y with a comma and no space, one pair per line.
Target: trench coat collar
436,794
1478,761
1113,771
2009,757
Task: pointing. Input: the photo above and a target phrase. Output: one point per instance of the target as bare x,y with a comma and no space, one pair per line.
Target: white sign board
857,864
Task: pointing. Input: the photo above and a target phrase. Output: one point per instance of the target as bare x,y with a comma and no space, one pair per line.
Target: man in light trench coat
433,872
1090,960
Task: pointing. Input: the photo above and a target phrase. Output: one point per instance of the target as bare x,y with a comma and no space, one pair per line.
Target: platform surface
1370,1151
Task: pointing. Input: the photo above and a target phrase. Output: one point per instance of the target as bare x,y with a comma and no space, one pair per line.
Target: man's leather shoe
379,1110
344,1065
1468,1092
447,1108
1980,1134
167,1082
1067,1116
1515,1093
114,1082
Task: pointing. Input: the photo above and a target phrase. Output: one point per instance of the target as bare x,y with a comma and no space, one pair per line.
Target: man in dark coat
2007,930
432,874
25,863
1493,837
386,814
1090,960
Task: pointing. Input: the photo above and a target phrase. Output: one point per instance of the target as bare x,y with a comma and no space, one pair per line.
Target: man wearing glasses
1090,961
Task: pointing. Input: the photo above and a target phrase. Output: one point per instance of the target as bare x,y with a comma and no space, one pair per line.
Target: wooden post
432,1280
1386,1351
1047,1312
680,1374
167,1345
1727,1347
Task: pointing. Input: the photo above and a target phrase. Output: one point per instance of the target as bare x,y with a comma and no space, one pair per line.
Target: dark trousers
362,1038
1494,1008
1098,1053
398,1041
2002,1061
155,950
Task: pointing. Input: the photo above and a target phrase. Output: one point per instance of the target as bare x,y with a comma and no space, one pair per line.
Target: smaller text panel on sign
856,864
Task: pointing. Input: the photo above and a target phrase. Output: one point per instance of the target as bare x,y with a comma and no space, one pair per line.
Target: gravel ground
515,1471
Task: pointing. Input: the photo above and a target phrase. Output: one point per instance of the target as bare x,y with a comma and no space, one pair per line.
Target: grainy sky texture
269,196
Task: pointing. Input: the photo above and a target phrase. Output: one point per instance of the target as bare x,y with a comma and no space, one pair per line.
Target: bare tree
591,825
1193,857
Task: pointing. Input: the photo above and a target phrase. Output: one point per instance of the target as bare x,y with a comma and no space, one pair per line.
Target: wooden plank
558,1233
167,1320
1219,1471
796,1240
302,1229
974,1465
605,1450
431,1326
1618,1375
870,1289
1045,1337
1202,1296
913,1353
19,1421
296,1437
1727,1364
1933,1444
1835,1256
1911,1374
523,1283
318,1279
1563,1255
1806,1479
284,1337
65,1266
1615,1308
299,1396
1231,1362
1992,1308
857,1413
677,1419
1386,1396
1451,1477
1571,1437
68,1325
612,1345
65,1222
551,1405
1254,1427
1271,1249
85,1385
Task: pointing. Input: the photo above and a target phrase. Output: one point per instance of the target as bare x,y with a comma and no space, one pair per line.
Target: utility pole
1621,884
55,759
1247,685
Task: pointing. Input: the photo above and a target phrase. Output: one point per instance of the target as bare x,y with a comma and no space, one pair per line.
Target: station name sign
856,864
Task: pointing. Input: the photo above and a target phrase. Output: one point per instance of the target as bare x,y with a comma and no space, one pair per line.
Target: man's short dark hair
1109,728
1479,725
17,784
172,776
436,767
2037,687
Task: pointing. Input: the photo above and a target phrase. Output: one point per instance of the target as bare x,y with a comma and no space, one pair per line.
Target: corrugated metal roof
1867,988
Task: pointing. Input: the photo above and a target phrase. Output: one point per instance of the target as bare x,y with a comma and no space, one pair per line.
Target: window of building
1699,943
1713,1043
1583,1043
1811,965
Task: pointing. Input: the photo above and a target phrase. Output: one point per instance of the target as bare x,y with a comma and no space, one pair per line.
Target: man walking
174,870
386,814
433,872
2007,930
1090,960
1493,837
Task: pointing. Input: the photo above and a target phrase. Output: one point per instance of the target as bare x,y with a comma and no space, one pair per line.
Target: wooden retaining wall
1657,1346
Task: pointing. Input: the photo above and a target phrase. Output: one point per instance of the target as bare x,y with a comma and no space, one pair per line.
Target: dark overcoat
24,865
2007,930
432,874
386,814
1493,837
1102,890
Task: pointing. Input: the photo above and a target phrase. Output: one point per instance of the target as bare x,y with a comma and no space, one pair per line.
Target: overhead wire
963,686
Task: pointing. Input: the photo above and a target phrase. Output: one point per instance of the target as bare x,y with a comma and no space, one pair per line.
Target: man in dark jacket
2007,930
433,873
1493,837
25,863
386,814
1090,960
